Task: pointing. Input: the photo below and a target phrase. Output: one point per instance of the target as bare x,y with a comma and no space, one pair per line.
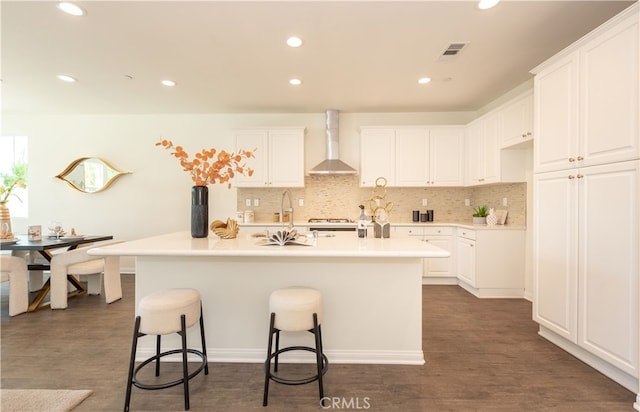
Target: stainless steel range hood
332,165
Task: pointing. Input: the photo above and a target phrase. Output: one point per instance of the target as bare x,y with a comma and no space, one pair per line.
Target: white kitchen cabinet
586,265
586,199
491,262
279,157
446,156
436,271
413,156
483,150
516,121
556,115
586,102
429,156
466,253
377,155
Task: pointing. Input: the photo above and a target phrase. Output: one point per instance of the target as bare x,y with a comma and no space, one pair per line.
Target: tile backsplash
338,196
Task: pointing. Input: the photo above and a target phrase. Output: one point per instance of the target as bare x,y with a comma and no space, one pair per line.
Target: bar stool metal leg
319,360
134,347
267,363
185,369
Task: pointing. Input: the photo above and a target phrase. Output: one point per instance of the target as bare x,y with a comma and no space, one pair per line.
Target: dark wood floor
482,355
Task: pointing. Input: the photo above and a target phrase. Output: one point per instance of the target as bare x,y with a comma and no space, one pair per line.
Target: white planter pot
479,220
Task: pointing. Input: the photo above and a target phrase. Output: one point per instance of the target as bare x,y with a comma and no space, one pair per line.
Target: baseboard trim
440,280
487,293
610,371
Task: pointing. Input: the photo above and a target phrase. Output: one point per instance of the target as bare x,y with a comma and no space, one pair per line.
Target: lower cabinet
488,262
491,262
586,241
435,271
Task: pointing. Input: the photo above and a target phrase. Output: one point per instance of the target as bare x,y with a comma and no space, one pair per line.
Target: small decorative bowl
227,230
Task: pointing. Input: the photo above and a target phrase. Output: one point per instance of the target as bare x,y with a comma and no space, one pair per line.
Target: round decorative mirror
90,174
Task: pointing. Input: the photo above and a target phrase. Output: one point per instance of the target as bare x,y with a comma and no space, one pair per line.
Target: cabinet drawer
438,231
467,234
409,230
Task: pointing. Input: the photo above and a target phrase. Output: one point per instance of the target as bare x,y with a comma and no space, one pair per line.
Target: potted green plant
480,215
9,182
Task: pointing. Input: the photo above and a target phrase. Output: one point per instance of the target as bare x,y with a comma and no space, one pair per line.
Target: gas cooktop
329,220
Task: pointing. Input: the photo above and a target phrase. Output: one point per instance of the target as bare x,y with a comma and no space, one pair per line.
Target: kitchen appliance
332,225
332,165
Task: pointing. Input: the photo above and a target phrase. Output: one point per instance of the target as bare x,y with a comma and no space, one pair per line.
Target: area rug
41,400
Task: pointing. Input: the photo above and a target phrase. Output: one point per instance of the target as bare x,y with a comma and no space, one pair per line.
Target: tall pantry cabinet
587,199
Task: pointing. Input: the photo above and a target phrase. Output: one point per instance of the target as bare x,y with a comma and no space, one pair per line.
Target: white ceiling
231,56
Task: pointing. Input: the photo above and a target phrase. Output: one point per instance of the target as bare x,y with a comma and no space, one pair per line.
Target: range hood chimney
332,165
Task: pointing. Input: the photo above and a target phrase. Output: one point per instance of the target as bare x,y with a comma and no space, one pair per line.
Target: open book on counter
285,237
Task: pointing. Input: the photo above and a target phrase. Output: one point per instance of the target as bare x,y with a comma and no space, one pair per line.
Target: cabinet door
250,140
556,116
446,156
609,96
439,267
473,154
555,272
517,121
412,157
483,154
377,156
466,260
490,162
608,265
286,158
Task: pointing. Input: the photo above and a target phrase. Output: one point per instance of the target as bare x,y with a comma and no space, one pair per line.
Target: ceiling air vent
453,50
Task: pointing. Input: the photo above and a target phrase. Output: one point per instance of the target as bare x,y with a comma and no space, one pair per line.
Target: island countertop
341,244
371,288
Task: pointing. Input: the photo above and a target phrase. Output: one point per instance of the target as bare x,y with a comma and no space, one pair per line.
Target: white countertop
344,244
415,224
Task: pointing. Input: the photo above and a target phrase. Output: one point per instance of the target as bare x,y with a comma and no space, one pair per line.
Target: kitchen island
371,289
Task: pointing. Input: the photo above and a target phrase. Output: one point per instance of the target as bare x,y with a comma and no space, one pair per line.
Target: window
13,151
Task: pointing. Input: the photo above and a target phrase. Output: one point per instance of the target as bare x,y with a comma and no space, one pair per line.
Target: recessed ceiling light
487,4
72,9
294,42
295,82
67,78
168,83
424,80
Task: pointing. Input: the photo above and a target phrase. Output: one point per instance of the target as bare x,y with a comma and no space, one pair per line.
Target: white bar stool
162,313
295,309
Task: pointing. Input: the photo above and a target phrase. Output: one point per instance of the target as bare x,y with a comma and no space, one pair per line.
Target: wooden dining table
45,247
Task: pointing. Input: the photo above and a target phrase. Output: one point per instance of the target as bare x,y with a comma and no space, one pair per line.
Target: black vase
199,211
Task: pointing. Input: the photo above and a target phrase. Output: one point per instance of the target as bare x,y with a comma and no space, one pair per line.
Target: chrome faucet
287,194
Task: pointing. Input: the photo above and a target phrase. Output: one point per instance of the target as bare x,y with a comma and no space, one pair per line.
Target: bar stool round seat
162,313
295,309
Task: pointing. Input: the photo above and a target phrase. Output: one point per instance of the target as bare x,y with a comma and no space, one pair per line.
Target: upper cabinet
417,156
516,119
377,156
279,157
586,102
483,150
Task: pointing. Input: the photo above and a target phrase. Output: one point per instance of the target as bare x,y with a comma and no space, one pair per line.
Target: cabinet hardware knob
528,133
524,135
571,159
580,176
571,177
580,158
